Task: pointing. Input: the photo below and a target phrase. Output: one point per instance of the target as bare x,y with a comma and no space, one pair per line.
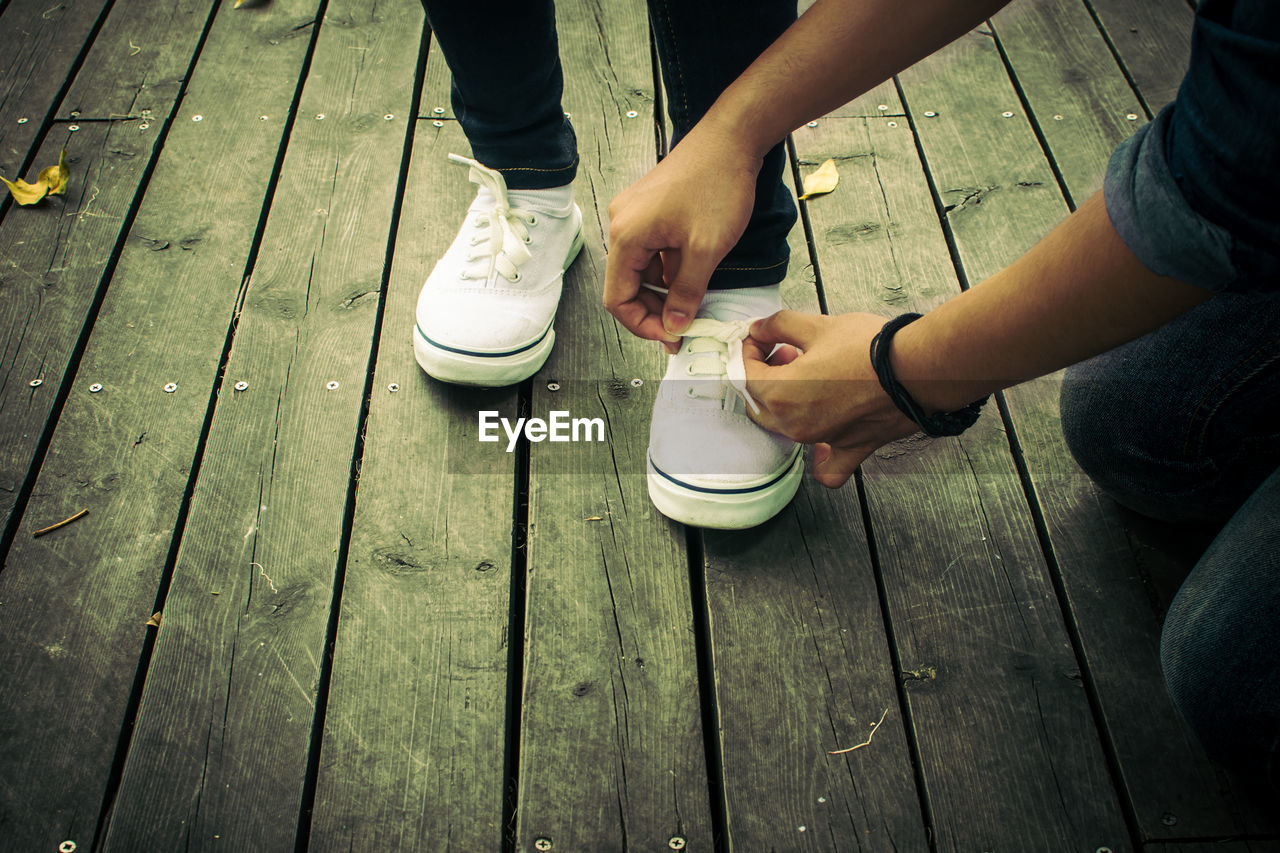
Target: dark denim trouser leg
505,60
1184,425
1221,644
703,46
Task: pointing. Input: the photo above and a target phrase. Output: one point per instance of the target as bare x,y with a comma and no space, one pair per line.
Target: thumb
686,288
833,466
788,327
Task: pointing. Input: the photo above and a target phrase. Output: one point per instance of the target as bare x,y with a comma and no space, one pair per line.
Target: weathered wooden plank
138,63
415,727
219,752
802,668
43,42
1078,96
611,756
1252,845
53,259
882,100
1153,40
1104,574
55,254
75,603
1008,751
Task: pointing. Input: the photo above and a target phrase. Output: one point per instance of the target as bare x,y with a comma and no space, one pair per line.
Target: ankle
551,200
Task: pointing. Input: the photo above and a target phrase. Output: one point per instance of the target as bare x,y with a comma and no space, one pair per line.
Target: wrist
921,363
929,413
733,131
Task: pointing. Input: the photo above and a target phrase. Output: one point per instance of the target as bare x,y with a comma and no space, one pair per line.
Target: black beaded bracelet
938,424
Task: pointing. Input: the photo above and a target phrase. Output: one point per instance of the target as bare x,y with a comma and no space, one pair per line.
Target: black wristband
938,424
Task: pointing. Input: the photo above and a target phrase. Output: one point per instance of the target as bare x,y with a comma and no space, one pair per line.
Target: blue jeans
1183,425
507,82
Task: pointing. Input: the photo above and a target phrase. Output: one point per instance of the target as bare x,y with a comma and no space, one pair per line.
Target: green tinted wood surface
42,43
803,669
219,752
413,754
1153,40
1008,752
75,604
611,753
53,254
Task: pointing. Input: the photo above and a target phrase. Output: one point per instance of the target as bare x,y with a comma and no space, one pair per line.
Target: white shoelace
504,243
717,347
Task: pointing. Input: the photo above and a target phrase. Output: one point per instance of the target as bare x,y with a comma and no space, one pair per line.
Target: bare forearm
836,51
1076,293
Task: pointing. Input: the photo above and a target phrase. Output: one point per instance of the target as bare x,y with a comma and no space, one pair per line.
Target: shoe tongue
485,200
741,303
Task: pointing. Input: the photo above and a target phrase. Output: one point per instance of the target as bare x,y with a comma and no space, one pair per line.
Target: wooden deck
376,633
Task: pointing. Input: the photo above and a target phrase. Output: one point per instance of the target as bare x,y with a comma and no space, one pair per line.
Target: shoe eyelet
527,239
688,392
688,368
515,279
533,220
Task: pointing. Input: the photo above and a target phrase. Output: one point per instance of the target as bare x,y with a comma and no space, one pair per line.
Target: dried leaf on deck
821,181
55,177
154,621
51,181
24,193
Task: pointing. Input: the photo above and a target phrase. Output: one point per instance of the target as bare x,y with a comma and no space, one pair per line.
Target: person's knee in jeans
1157,439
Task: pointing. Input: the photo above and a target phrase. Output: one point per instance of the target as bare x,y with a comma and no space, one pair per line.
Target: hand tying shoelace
505,245
710,464
721,342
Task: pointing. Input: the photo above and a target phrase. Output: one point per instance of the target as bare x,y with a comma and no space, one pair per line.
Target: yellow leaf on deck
51,181
25,193
55,177
821,181
154,621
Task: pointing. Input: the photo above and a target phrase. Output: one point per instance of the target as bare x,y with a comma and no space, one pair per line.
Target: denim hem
726,278
537,178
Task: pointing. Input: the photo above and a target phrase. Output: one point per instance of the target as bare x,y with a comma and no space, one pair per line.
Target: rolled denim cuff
1153,217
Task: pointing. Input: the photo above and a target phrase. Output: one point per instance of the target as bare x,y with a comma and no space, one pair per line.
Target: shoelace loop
724,339
506,243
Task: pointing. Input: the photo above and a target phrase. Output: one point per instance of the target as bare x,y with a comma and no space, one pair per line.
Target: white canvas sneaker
485,313
709,464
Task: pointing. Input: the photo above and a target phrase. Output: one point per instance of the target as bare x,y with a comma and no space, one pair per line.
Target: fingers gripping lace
721,341
505,241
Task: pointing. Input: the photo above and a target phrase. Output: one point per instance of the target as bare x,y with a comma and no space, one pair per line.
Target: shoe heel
574,249
576,246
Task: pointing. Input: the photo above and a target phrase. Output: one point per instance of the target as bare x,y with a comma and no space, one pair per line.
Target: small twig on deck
866,742
52,527
263,572
85,212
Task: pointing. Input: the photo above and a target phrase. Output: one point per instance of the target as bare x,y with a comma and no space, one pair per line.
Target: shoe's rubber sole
725,509
488,370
